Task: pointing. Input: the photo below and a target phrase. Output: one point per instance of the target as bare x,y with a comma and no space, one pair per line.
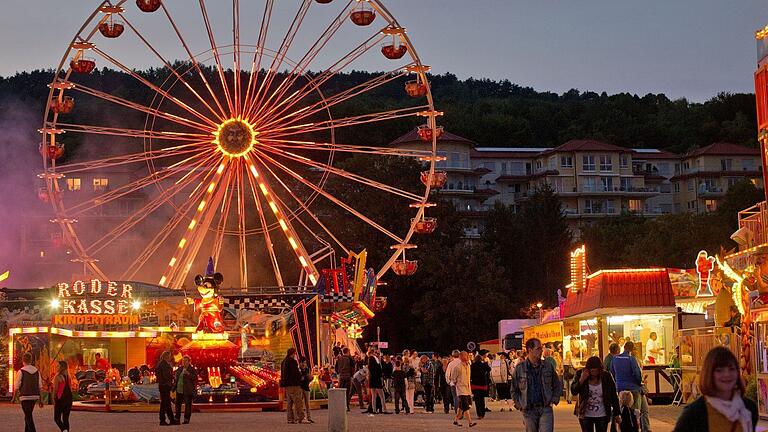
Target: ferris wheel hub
235,137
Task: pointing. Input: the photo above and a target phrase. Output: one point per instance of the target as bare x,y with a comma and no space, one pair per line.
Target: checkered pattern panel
256,303
337,298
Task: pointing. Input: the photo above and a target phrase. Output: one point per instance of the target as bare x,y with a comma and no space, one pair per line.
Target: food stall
624,305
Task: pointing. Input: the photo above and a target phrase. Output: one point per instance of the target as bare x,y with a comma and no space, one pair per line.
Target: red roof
617,289
659,154
588,145
413,136
724,149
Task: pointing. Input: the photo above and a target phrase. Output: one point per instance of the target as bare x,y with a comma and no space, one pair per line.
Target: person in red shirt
101,364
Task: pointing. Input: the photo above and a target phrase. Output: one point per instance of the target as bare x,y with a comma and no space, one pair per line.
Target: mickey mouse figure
209,305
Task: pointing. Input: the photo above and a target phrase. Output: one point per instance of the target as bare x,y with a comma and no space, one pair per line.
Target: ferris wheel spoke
142,108
330,197
281,53
223,114
216,56
139,215
345,174
127,159
189,246
258,54
344,122
136,185
344,148
241,223
133,133
165,94
172,69
218,240
166,231
265,228
285,224
301,66
321,78
305,208
236,53
331,101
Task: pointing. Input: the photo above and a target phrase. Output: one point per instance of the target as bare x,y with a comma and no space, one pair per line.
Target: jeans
29,422
455,398
429,401
377,393
306,404
61,414
540,419
359,390
294,396
165,404
346,383
447,398
186,400
479,397
594,424
645,420
567,389
399,395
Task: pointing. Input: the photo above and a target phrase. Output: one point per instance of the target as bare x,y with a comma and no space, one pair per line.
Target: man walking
460,375
345,368
448,377
535,388
613,351
27,385
627,374
290,381
165,381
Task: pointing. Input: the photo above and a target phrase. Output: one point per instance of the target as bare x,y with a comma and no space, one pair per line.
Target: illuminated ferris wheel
229,152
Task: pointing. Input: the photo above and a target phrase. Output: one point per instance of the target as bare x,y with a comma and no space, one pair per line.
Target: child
630,417
398,382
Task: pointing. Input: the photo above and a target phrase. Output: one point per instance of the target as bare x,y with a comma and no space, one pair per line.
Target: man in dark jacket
290,381
186,389
164,375
345,367
375,382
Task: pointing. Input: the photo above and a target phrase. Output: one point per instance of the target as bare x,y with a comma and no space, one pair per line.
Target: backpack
499,371
628,420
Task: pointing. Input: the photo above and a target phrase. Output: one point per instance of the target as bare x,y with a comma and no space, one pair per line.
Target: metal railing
755,219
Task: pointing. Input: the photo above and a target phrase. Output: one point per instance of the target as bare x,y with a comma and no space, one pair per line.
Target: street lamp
539,306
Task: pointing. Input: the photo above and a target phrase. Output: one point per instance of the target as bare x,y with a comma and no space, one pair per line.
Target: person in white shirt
460,375
448,378
653,353
27,385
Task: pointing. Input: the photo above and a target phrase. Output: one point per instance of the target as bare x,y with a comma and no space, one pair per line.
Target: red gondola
425,132
111,29
416,89
393,52
83,65
362,17
148,5
405,267
323,1
52,152
63,106
426,225
438,179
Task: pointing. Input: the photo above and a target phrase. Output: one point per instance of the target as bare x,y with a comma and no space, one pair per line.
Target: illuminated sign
95,319
705,265
579,269
95,298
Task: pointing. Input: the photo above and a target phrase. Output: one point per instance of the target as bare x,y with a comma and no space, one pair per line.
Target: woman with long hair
62,397
722,406
598,402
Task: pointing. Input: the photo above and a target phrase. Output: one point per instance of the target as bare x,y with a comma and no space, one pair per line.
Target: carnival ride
238,143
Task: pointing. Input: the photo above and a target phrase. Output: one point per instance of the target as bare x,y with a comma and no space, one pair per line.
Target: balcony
600,191
711,192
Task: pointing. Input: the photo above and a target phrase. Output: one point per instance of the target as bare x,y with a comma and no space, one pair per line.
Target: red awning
617,289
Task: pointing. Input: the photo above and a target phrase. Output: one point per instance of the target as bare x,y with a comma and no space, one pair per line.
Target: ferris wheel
229,146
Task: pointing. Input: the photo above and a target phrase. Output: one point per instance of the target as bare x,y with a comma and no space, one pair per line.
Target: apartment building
703,176
593,179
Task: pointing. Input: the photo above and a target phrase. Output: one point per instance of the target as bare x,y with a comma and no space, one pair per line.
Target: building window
100,184
677,187
626,183
73,184
538,165
691,185
635,205
441,155
455,160
623,161
711,205
592,206
726,164
609,207
606,183
503,167
566,162
664,168
748,165
605,163
588,163
589,185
